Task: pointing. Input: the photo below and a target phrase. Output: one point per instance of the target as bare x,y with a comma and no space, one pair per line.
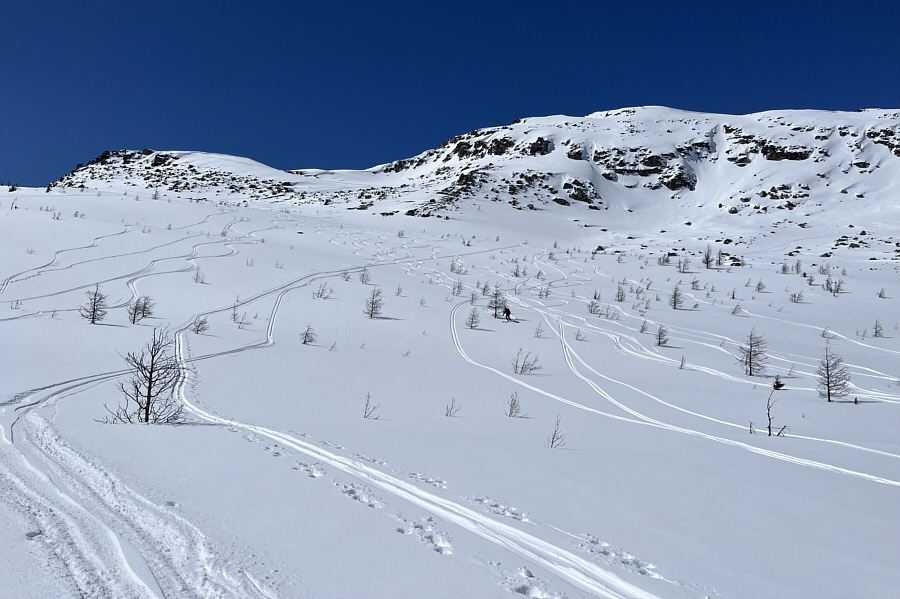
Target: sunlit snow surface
276,486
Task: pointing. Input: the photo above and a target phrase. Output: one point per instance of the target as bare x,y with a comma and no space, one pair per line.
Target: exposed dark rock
575,153
678,178
540,147
500,146
161,159
776,153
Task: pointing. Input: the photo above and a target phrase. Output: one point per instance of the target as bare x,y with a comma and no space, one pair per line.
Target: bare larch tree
833,376
676,299
753,355
374,303
95,309
148,394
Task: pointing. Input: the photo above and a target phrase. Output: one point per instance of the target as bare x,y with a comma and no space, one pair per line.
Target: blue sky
355,84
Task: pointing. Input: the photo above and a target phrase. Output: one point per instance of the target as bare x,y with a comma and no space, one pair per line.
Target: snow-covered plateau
346,427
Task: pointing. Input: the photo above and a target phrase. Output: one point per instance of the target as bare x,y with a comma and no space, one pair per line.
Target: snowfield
276,486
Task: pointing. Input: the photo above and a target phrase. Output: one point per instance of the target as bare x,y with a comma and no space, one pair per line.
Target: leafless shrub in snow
452,408
201,325
525,364
556,438
308,336
514,407
370,408
323,291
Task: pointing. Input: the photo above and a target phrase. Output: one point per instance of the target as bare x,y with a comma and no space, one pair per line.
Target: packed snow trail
113,542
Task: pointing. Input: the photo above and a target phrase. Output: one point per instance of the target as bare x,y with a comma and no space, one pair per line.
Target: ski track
110,538
580,572
113,542
56,256
641,419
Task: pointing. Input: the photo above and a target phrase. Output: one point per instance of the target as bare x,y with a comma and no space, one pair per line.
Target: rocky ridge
634,159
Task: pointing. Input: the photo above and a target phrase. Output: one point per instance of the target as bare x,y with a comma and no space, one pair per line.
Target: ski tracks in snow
577,570
639,418
112,541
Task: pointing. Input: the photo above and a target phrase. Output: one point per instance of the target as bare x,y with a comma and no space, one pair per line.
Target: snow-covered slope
277,486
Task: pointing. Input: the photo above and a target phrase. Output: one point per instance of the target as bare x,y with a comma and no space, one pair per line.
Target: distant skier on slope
507,314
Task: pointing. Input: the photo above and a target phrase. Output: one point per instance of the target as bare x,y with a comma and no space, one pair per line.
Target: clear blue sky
355,84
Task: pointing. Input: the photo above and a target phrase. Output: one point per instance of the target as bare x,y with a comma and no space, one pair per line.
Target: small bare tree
149,395
374,303
370,408
95,309
201,325
473,319
323,291
769,403
525,364
579,336
708,258
556,438
140,309
498,301
308,335
753,355
514,407
676,298
364,277
661,336
452,408
833,377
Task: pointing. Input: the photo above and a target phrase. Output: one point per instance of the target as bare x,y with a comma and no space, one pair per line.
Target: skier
507,314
